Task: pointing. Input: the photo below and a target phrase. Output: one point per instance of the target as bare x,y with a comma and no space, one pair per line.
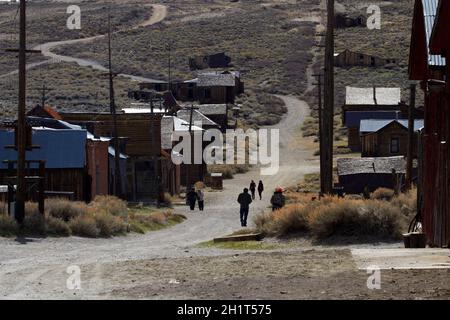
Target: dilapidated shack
359,174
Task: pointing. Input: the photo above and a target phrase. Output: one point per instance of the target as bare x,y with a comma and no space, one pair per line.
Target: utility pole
328,111
21,121
117,187
321,144
169,48
44,97
21,118
191,116
44,90
411,132
155,157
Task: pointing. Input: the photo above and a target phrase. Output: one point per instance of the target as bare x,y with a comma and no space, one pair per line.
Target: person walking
191,198
253,189
278,200
201,199
260,189
244,200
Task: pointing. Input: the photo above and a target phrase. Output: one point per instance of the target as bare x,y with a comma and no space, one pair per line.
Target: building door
145,180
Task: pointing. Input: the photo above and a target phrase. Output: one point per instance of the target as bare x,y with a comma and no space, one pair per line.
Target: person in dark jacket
244,200
278,200
191,198
260,189
253,189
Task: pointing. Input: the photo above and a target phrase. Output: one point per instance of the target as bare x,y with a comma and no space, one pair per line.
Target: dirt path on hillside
34,269
159,13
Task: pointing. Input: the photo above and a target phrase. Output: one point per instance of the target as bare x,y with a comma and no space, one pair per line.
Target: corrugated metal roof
353,118
58,148
365,96
196,117
373,125
170,124
430,8
383,165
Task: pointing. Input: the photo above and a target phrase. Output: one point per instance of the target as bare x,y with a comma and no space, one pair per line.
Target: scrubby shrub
383,194
153,221
64,209
34,223
109,225
407,202
227,173
291,219
31,208
355,218
3,208
111,205
265,223
168,199
57,227
331,216
8,226
84,226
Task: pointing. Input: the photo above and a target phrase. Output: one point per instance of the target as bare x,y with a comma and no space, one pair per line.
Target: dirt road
35,269
159,13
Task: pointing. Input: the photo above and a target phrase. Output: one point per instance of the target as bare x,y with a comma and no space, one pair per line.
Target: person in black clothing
278,200
260,189
253,189
244,200
191,198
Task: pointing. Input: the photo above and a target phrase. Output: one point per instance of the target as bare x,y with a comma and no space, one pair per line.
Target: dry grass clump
355,218
383,194
34,222
109,225
407,202
64,209
332,216
57,227
105,217
168,199
84,226
8,226
142,221
111,205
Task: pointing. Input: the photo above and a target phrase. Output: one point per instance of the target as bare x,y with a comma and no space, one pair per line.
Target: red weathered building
427,65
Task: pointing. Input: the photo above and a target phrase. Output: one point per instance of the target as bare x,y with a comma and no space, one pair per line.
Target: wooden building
387,138
216,88
427,63
356,174
187,174
348,58
142,131
370,103
218,113
64,153
218,60
344,21
156,85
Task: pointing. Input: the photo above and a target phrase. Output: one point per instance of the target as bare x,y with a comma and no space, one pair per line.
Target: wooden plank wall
143,140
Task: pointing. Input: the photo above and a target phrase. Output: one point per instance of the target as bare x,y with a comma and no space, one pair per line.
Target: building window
395,145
